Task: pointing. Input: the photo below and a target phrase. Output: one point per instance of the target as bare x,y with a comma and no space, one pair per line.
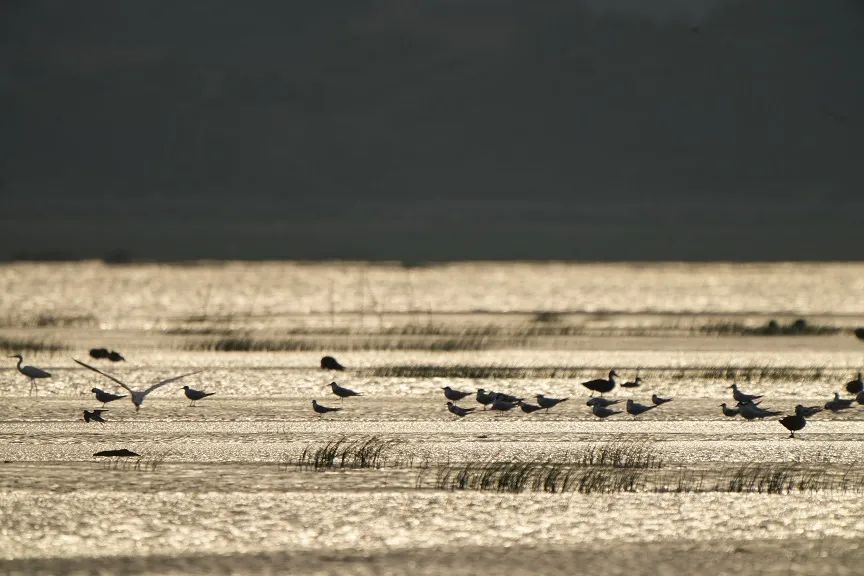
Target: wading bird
321,410
195,395
95,416
342,392
137,396
600,385
459,411
105,397
31,372
454,395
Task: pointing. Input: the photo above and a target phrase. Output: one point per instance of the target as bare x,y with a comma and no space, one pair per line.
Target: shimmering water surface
217,488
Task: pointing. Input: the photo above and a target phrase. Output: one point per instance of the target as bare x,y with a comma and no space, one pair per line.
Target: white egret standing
31,372
137,396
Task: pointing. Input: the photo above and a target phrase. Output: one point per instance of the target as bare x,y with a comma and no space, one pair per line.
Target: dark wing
103,374
169,380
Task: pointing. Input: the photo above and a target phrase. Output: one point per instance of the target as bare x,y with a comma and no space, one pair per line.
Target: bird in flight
95,416
137,396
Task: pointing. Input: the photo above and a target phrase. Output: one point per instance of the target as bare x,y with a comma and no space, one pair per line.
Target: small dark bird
95,416
600,401
741,396
459,411
860,398
342,392
859,333
330,363
195,395
750,411
323,409
454,395
838,403
529,408
855,386
657,400
508,397
485,398
729,412
105,397
547,403
793,424
600,385
603,412
122,453
502,404
807,411
634,384
634,408
99,353
115,356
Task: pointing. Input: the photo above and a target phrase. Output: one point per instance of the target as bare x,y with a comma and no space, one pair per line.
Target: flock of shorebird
746,405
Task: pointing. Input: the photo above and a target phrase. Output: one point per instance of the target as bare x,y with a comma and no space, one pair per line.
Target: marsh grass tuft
373,452
23,345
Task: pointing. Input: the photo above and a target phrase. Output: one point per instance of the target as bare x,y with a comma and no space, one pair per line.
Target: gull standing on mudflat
547,403
657,400
600,385
838,403
30,372
342,392
137,396
458,410
95,415
105,397
634,408
741,396
454,395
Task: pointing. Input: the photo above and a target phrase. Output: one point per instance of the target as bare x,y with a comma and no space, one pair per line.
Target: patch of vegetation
799,327
373,452
29,346
248,344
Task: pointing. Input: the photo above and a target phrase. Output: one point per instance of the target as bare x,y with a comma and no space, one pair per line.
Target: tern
137,396
600,401
342,392
454,395
600,385
603,412
855,386
195,395
634,408
807,411
634,384
729,412
547,403
459,411
485,398
31,372
319,409
838,403
105,397
657,400
502,404
793,423
529,408
741,396
507,397
751,411
330,363
95,416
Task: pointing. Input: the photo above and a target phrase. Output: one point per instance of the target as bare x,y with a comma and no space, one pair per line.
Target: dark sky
449,129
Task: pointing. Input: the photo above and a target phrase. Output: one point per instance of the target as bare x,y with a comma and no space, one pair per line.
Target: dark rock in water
122,453
99,353
115,357
859,332
330,363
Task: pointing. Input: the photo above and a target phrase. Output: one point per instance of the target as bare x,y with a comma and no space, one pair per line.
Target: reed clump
24,345
373,452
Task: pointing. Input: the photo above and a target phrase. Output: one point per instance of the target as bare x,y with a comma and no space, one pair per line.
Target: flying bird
458,410
195,395
105,397
601,385
547,403
330,363
342,392
95,416
31,372
454,395
793,423
319,409
657,400
137,396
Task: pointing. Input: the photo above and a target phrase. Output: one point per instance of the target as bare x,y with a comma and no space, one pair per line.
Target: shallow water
213,493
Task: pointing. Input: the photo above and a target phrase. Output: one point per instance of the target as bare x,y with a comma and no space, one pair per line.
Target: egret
31,372
137,396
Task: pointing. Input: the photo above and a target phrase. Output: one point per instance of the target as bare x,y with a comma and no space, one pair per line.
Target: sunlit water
225,486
